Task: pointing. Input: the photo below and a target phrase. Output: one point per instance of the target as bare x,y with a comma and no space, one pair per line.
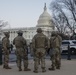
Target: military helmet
20,31
6,33
39,30
54,33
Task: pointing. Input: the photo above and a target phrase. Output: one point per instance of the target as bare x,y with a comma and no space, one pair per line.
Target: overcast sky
22,13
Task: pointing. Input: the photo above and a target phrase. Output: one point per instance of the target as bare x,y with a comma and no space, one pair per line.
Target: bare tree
70,5
2,24
64,14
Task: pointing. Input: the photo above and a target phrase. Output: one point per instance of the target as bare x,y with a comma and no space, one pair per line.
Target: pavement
68,67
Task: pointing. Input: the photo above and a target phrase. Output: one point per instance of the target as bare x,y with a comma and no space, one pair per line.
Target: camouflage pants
39,57
6,58
56,59
21,54
60,57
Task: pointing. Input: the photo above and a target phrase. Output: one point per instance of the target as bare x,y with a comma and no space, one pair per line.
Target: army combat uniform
21,52
39,44
55,56
60,42
6,50
32,52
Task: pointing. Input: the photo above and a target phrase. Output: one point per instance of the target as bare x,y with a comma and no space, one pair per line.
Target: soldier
55,56
21,52
39,43
60,42
6,50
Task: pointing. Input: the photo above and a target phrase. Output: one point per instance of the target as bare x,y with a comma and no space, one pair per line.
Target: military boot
27,69
43,70
52,68
35,71
7,67
20,69
58,67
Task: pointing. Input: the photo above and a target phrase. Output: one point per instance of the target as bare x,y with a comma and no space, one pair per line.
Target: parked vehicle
68,43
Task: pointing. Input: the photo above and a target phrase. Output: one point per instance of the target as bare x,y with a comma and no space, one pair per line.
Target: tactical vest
18,42
5,40
40,41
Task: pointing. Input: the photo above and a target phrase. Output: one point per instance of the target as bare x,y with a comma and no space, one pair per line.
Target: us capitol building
45,22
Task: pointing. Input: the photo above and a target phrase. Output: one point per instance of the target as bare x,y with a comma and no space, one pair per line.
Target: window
66,42
74,42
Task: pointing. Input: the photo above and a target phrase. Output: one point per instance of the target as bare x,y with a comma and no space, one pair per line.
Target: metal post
69,53
0,54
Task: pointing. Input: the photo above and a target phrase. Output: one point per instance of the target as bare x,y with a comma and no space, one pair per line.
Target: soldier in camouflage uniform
60,42
6,50
39,43
55,56
21,52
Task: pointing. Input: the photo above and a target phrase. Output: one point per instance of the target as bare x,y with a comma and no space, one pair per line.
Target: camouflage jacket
19,42
39,41
5,43
54,42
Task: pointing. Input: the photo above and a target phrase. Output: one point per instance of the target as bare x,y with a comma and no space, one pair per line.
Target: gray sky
22,13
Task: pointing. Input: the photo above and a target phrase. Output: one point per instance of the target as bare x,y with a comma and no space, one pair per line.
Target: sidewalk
68,68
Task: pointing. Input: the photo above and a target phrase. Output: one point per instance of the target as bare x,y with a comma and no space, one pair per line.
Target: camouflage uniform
55,57
21,52
39,44
6,49
32,52
60,42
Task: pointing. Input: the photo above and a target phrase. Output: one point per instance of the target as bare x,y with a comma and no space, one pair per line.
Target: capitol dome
45,19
